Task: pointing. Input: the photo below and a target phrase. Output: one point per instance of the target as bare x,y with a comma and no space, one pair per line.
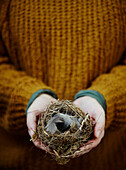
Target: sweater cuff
92,93
37,93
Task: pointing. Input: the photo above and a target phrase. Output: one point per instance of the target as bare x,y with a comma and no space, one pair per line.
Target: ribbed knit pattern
113,87
15,89
65,46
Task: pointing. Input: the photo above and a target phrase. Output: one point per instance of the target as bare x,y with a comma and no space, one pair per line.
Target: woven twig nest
63,128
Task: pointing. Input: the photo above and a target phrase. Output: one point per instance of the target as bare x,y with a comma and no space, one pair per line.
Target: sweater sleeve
16,88
113,87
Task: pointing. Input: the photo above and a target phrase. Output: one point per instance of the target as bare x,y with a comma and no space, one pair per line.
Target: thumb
31,123
99,126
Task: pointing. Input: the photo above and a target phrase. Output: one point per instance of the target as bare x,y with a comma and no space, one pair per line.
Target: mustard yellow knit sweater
65,46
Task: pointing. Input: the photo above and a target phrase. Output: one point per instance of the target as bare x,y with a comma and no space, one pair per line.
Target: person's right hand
38,107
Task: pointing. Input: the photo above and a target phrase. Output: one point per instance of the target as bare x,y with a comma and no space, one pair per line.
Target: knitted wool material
64,46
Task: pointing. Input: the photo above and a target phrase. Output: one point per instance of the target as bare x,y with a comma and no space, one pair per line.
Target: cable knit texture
64,46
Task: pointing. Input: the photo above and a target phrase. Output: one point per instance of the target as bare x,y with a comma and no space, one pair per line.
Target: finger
42,146
39,145
98,140
53,100
84,151
31,132
99,126
31,123
79,153
88,148
32,118
92,143
95,142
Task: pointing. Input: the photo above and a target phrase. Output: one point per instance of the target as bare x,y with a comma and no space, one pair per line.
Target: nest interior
63,128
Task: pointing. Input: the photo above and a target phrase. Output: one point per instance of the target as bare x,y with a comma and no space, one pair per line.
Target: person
72,50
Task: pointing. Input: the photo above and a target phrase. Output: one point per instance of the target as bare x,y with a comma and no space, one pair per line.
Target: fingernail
98,134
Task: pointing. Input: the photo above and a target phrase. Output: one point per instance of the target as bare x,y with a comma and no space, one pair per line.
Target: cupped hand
38,107
90,105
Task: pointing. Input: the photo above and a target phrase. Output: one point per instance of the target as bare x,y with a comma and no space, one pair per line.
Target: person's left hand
90,105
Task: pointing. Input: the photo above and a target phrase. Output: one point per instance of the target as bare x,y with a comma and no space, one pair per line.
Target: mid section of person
74,50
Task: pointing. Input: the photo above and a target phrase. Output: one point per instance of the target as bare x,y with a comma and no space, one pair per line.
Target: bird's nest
63,128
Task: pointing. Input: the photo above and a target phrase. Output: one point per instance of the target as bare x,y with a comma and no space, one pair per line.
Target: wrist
94,94
44,96
40,93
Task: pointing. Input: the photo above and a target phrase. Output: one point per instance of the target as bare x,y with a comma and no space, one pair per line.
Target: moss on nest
63,144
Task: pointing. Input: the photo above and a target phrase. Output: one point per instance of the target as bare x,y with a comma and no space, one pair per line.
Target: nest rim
53,152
